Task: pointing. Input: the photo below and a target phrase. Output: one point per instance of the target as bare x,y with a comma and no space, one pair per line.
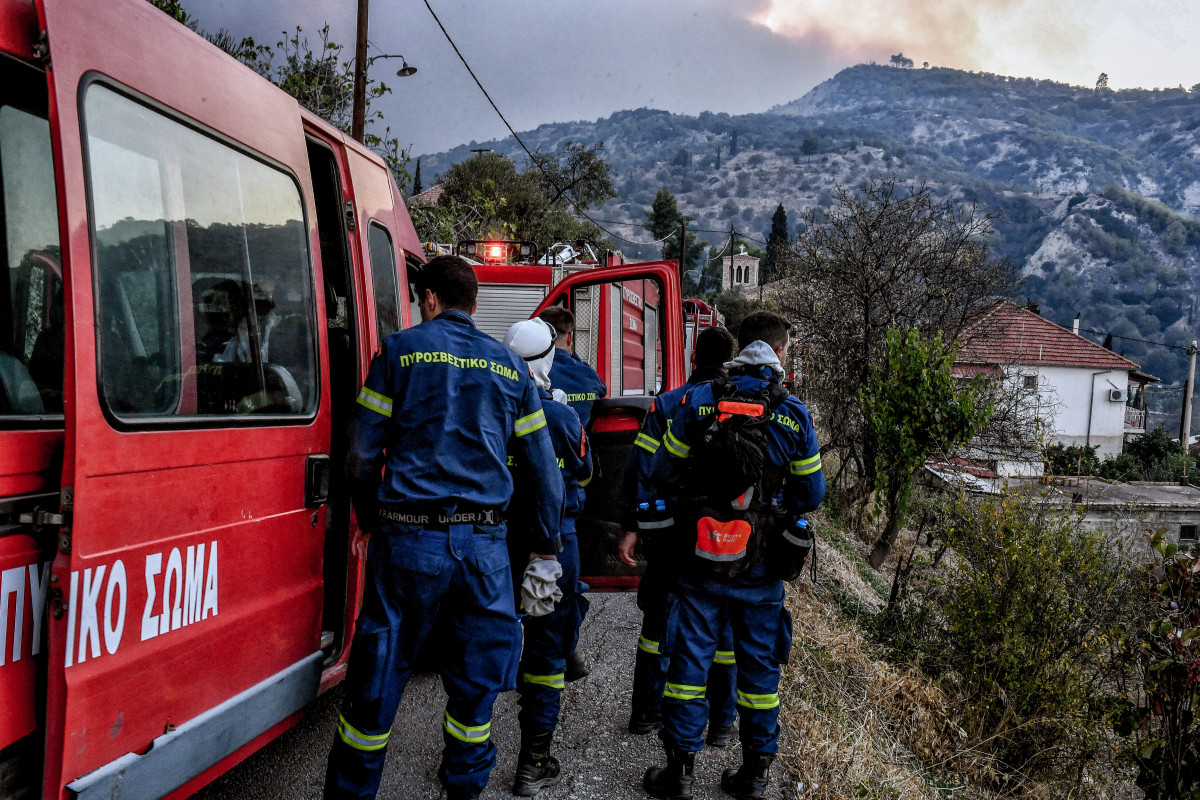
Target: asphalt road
600,759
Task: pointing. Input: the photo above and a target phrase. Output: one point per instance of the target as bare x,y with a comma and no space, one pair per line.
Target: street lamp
358,121
405,68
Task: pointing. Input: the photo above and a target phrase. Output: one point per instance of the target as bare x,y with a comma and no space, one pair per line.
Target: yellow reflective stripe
556,681
679,691
647,443
529,424
375,401
649,646
806,466
758,702
359,740
583,483
676,447
467,733
724,657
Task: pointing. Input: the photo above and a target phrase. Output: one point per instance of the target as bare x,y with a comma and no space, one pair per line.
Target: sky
547,61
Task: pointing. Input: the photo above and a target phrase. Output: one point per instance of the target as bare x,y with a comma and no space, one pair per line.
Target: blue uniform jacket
573,452
580,382
637,487
442,405
792,443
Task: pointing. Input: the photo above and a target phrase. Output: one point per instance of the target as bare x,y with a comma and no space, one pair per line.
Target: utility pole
1185,424
732,238
682,248
358,119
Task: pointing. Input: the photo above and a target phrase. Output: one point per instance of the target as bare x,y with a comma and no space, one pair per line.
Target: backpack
736,518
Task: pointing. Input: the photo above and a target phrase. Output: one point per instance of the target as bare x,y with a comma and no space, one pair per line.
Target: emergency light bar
502,251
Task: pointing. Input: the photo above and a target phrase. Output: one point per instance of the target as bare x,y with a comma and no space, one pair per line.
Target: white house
1078,390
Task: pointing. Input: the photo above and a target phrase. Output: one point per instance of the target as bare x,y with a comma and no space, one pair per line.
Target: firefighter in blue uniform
570,373
714,346
753,600
572,376
442,405
550,638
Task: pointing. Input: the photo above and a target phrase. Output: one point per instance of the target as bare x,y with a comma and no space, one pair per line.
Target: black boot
719,735
748,782
577,668
643,722
674,781
536,768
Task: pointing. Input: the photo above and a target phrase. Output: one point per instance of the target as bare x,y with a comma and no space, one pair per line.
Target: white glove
559,396
539,587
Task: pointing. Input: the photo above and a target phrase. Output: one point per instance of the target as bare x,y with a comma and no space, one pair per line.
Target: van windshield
31,287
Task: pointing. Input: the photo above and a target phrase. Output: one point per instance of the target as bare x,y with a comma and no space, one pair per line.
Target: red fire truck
196,273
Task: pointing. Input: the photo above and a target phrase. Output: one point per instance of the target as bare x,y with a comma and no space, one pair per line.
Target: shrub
1016,621
1160,721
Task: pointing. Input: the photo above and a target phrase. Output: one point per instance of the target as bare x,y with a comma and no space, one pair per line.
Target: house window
1187,533
1031,382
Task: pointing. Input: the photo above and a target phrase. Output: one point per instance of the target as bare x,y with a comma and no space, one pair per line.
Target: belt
440,519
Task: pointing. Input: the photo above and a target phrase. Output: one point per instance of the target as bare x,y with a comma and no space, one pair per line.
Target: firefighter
441,406
582,386
714,346
570,373
789,484
549,637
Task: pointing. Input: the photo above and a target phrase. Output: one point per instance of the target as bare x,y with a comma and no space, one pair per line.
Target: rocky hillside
1095,190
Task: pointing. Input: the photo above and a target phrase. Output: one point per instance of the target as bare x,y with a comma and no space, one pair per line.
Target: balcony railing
1135,420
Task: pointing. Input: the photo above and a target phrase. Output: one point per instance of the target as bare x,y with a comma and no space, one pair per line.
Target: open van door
629,328
184,597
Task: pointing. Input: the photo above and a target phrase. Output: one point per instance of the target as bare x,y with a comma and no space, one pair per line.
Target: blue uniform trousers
549,640
762,638
650,664
417,577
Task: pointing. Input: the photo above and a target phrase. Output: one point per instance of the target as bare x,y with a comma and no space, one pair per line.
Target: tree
733,144
1102,82
777,243
899,60
662,220
497,201
416,186
575,175
884,256
915,409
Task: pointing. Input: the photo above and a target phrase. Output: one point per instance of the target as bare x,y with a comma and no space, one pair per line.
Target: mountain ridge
1096,190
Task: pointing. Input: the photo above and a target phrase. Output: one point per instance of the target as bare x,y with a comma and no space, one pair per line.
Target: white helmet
533,340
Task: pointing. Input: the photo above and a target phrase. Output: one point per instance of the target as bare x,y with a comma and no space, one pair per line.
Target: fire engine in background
195,274
697,315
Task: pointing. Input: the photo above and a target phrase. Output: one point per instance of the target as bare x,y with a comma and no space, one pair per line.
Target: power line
579,210
1131,339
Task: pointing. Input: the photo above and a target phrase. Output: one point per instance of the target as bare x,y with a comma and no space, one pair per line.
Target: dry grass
857,726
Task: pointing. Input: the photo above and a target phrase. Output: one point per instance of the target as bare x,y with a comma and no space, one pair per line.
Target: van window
383,280
31,288
204,300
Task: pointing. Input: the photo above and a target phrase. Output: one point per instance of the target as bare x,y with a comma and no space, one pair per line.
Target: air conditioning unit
1118,395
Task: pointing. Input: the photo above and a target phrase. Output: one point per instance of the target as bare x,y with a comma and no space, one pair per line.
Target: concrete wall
1066,395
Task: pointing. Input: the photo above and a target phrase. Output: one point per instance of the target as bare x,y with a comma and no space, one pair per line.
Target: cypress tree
777,242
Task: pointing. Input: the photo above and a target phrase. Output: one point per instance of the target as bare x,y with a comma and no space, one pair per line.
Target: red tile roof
429,197
1006,333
